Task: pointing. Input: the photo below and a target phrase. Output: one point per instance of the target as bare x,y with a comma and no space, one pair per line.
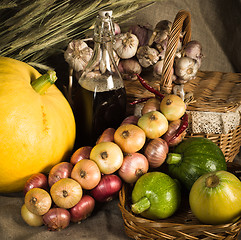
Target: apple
130,138
154,124
108,156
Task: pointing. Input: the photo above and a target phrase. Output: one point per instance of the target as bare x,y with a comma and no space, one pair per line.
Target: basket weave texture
182,225
213,92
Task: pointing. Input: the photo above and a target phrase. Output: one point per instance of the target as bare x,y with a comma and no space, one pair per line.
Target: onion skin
30,218
38,180
156,152
130,138
134,165
130,120
56,219
173,107
86,173
106,136
107,189
82,209
152,104
172,128
59,171
38,201
81,153
66,193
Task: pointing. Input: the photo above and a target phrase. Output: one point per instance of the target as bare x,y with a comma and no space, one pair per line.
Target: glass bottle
100,99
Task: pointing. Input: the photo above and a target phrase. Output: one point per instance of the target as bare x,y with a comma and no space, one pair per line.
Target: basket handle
181,23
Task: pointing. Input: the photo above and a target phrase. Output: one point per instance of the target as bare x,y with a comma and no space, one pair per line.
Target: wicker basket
212,91
182,225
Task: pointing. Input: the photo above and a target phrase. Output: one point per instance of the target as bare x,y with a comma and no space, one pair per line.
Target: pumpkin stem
174,158
142,205
41,84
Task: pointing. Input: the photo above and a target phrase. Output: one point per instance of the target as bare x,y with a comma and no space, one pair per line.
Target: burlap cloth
216,24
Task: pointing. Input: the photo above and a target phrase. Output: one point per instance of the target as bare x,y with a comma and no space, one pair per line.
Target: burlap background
216,24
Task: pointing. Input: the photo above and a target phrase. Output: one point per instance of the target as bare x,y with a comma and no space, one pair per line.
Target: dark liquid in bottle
96,111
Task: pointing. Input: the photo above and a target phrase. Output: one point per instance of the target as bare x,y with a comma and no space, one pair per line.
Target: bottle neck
104,30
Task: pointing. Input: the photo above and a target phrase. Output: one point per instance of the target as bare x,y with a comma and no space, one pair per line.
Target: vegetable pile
96,173
134,154
136,151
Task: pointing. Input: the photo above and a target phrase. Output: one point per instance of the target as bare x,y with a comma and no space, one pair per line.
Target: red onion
108,187
156,152
106,136
59,171
81,153
37,180
152,104
56,219
130,120
82,209
172,129
134,165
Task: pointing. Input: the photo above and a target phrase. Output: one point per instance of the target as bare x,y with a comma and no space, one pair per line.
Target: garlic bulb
117,28
161,32
157,69
193,49
147,56
143,33
179,91
77,54
126,45
128,68
186,68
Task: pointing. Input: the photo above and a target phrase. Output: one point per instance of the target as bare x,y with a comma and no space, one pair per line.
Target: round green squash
194,157
155,196
215,198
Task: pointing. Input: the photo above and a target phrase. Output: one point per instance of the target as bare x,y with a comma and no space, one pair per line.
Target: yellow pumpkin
37,126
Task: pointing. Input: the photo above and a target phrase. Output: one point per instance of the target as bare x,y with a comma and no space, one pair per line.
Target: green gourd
156,196
194,157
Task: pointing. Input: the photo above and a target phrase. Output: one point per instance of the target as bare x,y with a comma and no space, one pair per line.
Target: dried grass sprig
34,30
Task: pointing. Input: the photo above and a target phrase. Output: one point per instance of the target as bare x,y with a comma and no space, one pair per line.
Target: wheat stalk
32,31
